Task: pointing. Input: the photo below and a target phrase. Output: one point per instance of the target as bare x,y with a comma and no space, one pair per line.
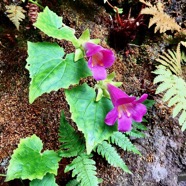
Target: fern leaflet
174,88
123,141
172,60
15,14
108,152
135,132
162,20
71,143
84,168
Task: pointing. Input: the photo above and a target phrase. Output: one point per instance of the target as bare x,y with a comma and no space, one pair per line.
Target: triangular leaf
48,180
89,115
79,54
28,156
85,36
71,143
49,72
51,24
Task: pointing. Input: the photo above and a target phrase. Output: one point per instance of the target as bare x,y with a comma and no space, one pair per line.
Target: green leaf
123,141
71,143
85,36
149,103
140,126
73,182
175,88
159,79
162,87
182,118
89,115
136,134
48,180
49,71
51,24
79,54
177,109
173,101
108,152
27,161
169,93
99,94
84,168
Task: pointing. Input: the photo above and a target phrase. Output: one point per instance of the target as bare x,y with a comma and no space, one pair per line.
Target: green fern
135,133
123,142
174,88
108,152
84,168
71,143
136,130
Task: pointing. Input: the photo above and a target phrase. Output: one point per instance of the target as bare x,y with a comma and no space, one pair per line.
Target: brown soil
163,149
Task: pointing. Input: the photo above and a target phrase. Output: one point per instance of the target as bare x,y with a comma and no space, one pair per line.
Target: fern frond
84,168
162,20
139,126
172,60
123,142
71,143
136,134
108,152
175,88
15,14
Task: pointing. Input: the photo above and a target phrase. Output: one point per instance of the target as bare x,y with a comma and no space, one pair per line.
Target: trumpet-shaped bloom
99,59
126,108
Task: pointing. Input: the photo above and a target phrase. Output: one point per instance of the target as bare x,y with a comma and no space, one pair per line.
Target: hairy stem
36,3
117,14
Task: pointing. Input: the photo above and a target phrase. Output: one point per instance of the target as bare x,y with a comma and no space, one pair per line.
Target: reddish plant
124,29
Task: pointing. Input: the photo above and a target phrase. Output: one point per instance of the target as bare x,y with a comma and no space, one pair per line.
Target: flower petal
99,73
111,117
108,58
124,123
92,49
142,98
115,93
125,100
138,111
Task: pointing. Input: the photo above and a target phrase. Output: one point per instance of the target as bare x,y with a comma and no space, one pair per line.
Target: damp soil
163,149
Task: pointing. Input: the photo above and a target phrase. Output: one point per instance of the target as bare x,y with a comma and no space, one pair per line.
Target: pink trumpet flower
99,59
126,108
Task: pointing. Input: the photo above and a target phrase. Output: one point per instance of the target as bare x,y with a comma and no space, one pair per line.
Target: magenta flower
99,59
125,109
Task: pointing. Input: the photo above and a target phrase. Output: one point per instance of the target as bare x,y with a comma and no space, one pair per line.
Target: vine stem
36,3
4,175
117,13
